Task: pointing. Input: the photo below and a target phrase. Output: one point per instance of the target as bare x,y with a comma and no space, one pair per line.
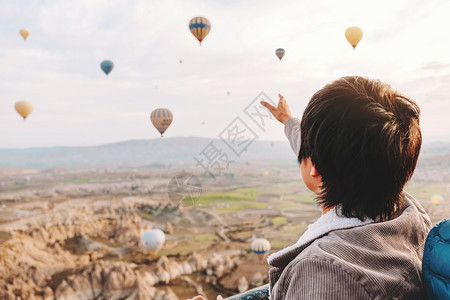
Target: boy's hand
282,113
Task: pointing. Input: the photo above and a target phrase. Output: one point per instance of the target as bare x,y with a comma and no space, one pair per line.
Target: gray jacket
380,260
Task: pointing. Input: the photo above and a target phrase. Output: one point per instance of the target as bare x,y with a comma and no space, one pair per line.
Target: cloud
58,67
435,66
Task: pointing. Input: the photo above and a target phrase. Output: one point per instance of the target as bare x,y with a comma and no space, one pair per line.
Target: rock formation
75,254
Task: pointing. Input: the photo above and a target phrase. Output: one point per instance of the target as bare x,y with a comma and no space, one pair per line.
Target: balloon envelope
260,246
161,118
24,33
107,66
24,108
153,240
280,53
200,27
353,35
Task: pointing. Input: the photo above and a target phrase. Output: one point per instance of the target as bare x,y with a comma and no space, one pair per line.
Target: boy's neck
325,209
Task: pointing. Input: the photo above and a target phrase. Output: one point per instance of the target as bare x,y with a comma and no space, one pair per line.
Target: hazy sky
405,43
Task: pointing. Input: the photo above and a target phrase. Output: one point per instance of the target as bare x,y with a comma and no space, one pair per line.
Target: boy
357,144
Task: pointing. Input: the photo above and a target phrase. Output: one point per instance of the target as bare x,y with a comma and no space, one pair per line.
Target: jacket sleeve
318,279
292,131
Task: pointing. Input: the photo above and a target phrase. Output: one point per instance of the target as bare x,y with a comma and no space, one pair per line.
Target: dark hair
364,139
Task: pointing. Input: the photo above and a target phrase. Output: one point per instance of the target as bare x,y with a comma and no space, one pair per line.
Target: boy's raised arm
292,125
292,131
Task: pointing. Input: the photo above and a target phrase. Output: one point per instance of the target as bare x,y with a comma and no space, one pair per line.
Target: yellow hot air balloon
200,27
24,108
24,33
353,35
260,247
161,118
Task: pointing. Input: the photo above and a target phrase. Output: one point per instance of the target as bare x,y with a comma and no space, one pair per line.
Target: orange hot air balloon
24,33
353,35
24,108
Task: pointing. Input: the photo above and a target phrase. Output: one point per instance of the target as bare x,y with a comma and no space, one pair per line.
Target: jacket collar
332,220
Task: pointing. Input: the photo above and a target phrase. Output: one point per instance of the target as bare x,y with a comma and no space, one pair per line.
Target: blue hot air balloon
107,66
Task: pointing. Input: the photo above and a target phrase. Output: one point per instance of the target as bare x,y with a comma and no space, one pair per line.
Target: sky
405,44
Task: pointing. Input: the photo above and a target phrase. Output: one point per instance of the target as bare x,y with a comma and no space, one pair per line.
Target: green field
279,220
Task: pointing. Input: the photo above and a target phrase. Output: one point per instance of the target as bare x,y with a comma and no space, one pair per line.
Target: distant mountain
163,151
154,152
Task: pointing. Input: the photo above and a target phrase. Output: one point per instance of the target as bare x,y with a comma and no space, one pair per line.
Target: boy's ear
314,172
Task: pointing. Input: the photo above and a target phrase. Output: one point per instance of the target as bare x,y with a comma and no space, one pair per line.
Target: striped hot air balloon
260,247
161,118
280,53
200,27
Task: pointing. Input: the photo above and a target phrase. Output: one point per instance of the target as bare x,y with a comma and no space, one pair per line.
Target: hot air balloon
107,66
353,36
161,118
200,27
24,33
436,199
153,240
24,108
260,247
280,53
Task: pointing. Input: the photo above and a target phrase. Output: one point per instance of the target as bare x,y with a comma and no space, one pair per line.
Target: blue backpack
436,262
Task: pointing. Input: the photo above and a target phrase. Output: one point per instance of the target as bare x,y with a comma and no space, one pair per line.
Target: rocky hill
89,250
